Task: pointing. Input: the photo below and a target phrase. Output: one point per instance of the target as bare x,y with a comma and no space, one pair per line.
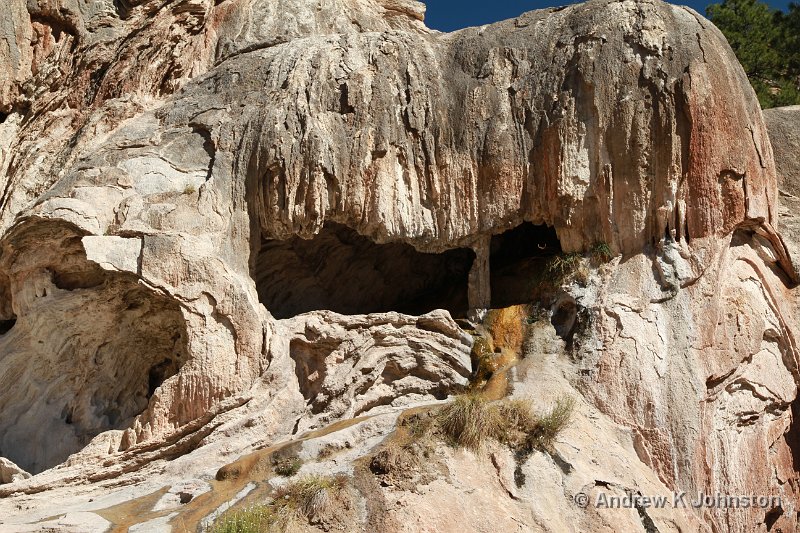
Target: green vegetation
189,189
255,519
601,252
304,500
767,43
287,467
562,266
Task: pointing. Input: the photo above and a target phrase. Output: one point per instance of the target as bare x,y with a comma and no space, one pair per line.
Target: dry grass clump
562,266
394,460
525,431
307,498
508,326
470,421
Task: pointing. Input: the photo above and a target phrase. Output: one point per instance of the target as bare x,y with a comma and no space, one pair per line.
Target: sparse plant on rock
255,519
287,466
562,266
601,252
469,421
311,499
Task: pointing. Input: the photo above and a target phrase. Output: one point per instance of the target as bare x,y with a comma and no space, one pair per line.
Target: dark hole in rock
158,373
772,516
565,317
6,325
342,271
518,262
3,117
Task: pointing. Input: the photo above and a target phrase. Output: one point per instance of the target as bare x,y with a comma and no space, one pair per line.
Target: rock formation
192,192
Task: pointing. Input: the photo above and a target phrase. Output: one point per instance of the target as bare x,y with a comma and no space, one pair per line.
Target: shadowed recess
342,271
85,353
518,262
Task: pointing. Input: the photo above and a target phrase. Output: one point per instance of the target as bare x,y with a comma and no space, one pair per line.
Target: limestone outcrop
244,226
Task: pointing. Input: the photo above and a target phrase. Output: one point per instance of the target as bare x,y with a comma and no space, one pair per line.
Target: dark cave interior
342,271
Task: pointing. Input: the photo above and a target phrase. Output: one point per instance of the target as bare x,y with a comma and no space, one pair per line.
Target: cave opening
342,271
518,263
6,325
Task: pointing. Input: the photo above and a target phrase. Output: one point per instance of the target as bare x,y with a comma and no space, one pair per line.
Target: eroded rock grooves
174,174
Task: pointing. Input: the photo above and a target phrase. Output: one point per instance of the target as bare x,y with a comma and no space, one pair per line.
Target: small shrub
312,499
601,252
288,466
562,266
544,432
189,189
255,519
469,421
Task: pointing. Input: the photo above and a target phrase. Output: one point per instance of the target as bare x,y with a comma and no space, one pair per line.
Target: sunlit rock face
201,203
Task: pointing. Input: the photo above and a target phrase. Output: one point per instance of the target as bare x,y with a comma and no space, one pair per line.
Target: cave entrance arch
342,271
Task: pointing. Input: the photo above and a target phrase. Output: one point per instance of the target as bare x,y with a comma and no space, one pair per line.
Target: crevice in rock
342,271
793,435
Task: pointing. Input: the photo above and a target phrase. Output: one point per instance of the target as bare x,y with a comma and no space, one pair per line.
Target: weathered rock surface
164,167
10,472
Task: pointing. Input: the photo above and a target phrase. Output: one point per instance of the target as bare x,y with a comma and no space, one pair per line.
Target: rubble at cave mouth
342,271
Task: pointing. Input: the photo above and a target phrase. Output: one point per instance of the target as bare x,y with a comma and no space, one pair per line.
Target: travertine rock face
172,173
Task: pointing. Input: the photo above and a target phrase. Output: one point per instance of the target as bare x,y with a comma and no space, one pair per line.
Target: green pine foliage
767,43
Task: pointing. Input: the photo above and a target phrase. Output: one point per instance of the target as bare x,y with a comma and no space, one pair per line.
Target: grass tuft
469,421
562,266
288,466
601,252
394,459
307,498
255,519
543,433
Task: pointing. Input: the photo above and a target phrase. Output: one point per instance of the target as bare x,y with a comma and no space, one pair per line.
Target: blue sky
449,15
